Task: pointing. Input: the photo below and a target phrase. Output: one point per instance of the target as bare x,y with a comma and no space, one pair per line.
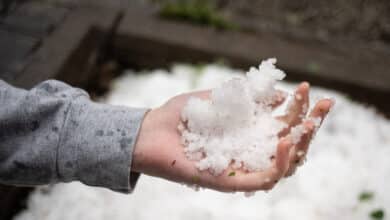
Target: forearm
54,133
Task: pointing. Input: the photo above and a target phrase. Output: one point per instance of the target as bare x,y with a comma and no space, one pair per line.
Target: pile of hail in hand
235,127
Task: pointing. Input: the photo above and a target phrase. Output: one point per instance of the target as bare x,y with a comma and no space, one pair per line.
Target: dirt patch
359,20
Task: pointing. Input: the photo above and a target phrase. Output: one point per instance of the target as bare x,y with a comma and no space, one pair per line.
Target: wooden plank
244,49
28,25
102,4
144,40
68,52
33,19
15,49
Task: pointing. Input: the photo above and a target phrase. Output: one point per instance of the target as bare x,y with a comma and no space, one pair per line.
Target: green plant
366,196
196,11
377,214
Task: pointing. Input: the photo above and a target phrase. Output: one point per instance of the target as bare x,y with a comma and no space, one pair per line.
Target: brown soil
362,21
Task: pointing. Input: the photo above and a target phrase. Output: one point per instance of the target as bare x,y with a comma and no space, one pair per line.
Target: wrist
141,154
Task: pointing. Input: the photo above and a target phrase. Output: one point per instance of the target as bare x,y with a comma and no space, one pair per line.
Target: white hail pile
346,175
235,126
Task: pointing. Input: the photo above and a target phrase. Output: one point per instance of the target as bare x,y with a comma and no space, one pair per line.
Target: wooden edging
71,51
145,40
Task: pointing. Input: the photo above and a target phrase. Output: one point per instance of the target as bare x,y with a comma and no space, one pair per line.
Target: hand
159,151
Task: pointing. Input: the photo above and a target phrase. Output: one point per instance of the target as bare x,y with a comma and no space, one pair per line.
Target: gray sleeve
55,133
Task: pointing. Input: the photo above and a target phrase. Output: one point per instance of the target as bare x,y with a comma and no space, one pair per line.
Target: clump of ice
235,126
297,132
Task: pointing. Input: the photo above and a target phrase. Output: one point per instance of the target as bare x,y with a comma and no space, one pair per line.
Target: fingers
265,180
321,109
297,108
300,150
282,157
289,154
287,158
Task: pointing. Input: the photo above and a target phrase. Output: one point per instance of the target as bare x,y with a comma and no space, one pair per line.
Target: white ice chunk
236,124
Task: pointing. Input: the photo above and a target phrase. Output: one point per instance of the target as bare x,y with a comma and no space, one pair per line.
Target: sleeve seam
132,184
60,138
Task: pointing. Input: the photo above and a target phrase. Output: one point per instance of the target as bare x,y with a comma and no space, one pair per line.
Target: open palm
159,150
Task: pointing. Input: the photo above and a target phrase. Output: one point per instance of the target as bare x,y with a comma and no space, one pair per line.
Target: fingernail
306,84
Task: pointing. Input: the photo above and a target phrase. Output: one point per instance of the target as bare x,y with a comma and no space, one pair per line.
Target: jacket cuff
97,143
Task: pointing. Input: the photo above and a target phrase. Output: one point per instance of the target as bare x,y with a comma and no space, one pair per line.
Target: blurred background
123,51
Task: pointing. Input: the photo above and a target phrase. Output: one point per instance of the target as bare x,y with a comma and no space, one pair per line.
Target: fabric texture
55,133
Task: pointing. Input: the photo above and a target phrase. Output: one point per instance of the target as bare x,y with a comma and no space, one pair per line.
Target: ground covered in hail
346,175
